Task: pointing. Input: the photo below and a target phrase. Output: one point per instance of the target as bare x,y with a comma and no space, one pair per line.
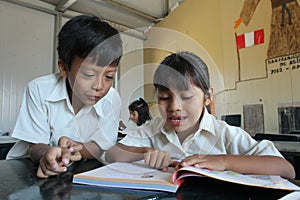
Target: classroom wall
27,50
130,82
206,28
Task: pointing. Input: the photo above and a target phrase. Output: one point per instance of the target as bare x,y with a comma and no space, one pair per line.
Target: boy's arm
266,165
123,153
91,150
271,165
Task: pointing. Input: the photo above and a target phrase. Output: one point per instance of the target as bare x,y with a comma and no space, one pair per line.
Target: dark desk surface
18,181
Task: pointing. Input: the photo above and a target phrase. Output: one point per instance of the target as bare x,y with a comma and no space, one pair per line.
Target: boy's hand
69,143
54,161
157,159
213,162
73,146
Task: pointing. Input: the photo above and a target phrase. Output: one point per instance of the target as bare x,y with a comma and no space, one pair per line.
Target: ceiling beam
63,5
132,10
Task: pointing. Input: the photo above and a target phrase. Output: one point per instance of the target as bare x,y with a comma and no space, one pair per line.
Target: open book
138,176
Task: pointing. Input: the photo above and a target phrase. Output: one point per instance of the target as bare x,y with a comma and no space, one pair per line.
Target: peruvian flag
250,39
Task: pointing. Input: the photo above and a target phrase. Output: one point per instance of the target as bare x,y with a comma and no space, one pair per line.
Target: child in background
138,115
139,112
73,114
188,133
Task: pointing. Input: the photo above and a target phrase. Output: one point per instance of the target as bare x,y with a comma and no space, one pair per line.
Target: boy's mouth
95,98
176,120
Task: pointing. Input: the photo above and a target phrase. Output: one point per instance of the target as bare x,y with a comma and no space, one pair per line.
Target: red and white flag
250,39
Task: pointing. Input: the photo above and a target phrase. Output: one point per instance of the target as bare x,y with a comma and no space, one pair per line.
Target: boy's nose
97,85
175,104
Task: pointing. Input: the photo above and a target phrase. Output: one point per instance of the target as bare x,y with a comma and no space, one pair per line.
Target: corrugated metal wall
26,52
27,38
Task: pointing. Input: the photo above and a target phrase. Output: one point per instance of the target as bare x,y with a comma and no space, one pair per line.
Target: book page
275,182
128,175
135,168
139,176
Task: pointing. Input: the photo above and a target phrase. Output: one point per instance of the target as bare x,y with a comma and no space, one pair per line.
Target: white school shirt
46,114
131,126
213,137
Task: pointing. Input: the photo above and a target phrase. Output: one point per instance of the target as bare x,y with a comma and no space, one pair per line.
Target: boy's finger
164,169
44,172
41,174
146,158
63,142
191,160
66,161
66,156
77,147
75,157
52,154
160,162
174,163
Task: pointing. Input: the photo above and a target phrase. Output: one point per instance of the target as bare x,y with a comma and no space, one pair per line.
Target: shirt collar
60,93
168,131
98,107
207,122
106,100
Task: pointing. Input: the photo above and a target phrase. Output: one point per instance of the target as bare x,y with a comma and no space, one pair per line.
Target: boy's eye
88,75
186,97
109,77
163,98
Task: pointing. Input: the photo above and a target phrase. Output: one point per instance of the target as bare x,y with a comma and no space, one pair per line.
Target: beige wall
130,79
206,28
186,28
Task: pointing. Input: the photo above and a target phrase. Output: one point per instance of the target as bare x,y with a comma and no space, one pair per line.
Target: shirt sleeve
132,140
143,136
265,147
243,144
31,125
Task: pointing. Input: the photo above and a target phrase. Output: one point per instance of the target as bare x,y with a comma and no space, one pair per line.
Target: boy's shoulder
51,79
44,85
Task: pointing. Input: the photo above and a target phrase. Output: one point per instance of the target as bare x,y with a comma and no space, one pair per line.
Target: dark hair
179,69
141,106
84,36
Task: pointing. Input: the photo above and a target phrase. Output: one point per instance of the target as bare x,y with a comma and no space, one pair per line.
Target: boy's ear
63,70
209,98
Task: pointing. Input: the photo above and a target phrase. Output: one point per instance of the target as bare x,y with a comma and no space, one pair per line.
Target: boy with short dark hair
74,114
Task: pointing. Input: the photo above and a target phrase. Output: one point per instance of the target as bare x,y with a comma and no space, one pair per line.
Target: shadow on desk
4,149
214,189
6,143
